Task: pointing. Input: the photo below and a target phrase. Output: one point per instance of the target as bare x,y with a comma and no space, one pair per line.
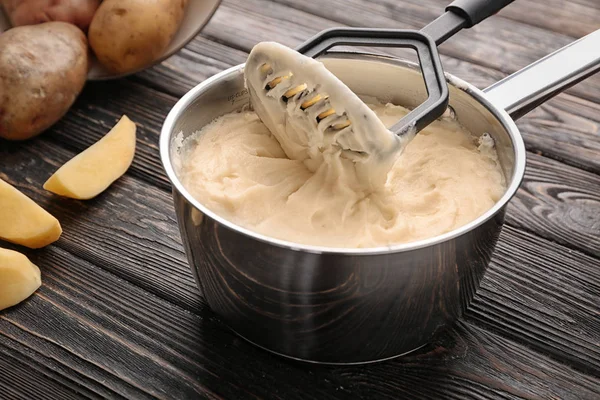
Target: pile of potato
45,57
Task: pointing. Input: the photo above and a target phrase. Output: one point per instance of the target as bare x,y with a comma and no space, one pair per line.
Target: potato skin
31,12
127,35
42,71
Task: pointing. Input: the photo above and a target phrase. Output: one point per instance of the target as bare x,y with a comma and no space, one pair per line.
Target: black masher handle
475,11
462,14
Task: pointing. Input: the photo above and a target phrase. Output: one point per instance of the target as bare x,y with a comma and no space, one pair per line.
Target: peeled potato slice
23,222
19,278
89,173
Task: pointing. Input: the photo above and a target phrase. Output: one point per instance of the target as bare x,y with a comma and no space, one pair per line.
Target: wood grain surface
119,315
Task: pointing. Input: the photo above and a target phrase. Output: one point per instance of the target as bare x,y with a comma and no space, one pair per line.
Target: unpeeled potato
127,35
31,12
42,70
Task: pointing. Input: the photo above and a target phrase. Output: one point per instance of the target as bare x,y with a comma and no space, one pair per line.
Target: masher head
310,111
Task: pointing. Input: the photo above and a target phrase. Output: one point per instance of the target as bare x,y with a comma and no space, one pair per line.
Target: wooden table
119,315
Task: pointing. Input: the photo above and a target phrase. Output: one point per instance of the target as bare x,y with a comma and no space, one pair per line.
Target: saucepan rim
502,116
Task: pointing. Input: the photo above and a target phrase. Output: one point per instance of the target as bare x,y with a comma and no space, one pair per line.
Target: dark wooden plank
22,380
565,129
543,298
469,363
560,203
117,337
199,60
33,356
568,17
129,230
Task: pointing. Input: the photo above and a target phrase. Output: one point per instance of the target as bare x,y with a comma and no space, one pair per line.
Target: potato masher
310,109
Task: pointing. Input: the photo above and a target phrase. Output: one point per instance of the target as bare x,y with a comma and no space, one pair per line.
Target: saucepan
340,305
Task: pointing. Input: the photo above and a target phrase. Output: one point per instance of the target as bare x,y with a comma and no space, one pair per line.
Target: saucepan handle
526,89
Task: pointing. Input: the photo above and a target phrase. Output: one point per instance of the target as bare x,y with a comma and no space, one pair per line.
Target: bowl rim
501,115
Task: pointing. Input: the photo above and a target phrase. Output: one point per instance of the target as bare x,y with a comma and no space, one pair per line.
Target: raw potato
31,12
92,171
127,35
23,222
19,278
42,70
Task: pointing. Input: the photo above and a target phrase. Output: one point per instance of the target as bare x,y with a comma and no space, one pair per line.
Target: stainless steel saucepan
339,305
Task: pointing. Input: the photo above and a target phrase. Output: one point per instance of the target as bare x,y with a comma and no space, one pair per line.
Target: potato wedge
19,278
23,222
89,173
